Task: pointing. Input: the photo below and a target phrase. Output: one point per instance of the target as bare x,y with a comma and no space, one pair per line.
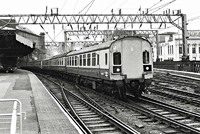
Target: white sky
189,7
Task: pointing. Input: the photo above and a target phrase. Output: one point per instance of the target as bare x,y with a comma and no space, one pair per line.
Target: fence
189,66
13,115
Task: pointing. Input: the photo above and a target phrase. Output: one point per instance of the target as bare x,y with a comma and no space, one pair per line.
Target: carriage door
132,58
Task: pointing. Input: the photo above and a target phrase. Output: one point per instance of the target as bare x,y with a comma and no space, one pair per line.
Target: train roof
101,46
92,48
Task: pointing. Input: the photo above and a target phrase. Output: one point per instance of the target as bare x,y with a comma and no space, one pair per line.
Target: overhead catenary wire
161,6
155,4
69,21
63,5
47,34
122,4
114,1
89,4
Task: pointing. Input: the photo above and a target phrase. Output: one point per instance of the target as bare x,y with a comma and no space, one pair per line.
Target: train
9,64
117,67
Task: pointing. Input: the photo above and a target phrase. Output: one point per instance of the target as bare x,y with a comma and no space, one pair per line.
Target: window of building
194,48
73,61
93,59
180,50
84,60
106,58
76,60
188,48
160,50
199,49
70,61
80,62
168,49
88,59
67,60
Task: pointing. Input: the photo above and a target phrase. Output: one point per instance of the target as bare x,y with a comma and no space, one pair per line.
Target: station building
171,46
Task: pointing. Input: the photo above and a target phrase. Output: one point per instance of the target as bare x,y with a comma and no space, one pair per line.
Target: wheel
138,91
122,93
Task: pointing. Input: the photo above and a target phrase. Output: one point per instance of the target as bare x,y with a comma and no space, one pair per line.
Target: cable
92,1
48,34
63,5
75,6
155,4
90,6
69,20
7,23
123,2
161,6
109,6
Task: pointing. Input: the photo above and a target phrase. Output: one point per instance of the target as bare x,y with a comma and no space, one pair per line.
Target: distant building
171,46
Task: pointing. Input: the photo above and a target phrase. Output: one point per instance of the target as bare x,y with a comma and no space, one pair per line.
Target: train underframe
118,89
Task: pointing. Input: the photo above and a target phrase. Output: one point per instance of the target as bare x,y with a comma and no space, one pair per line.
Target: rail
14,114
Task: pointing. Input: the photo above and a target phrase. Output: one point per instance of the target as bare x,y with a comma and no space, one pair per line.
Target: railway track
177,117
151,111
176,94
176,80
177,120
93,119
185,97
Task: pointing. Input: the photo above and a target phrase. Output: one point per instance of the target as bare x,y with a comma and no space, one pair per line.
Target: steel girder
93,18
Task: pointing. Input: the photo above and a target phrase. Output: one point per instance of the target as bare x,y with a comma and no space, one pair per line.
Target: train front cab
131,64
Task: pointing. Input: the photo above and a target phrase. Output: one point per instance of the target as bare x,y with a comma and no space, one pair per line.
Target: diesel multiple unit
119,67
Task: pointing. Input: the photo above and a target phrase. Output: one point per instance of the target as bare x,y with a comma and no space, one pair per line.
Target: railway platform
40,112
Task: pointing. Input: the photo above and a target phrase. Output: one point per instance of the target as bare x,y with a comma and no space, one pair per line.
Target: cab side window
117,58
145,57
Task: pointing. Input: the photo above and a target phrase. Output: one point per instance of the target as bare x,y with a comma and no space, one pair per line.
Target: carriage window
80,60
88,59
70,61
76,60
145,57
93,59
117,58
106,58
84,60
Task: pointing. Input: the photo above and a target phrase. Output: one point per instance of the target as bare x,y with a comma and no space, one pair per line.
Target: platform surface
43,115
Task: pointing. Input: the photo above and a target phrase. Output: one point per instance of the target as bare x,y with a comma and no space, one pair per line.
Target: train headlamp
147,68
117,69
